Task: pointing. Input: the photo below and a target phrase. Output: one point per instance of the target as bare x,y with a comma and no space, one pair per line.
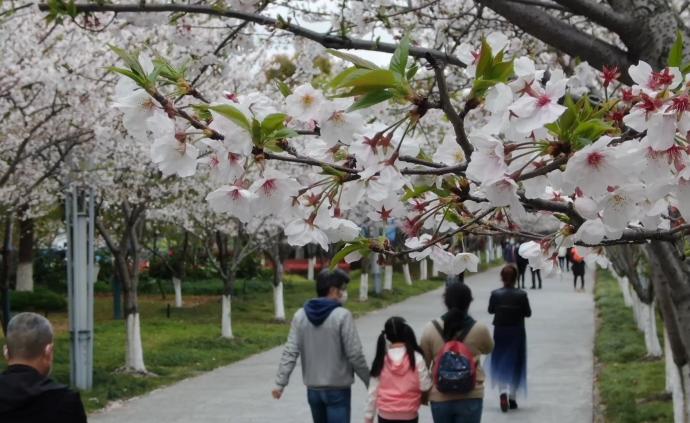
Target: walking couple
324,337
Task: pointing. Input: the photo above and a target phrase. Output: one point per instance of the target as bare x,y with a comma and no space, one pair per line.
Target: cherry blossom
170,150
233,199
594,168
301,232
305,103
539,106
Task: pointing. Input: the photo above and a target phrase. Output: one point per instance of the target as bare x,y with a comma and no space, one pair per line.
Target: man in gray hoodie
324,337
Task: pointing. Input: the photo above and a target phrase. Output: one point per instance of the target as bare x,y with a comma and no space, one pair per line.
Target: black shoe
533,287
512,404
504,403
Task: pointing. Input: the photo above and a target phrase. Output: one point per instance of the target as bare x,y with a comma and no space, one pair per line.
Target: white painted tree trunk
423,270
490,249
651,336
434,270
134,360
406,273
669,365
279,302
177,285
364,287
311,263
25,277
388,278
625,287
226,317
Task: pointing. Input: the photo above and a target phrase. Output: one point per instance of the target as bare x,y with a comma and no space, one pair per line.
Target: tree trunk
226,317
434,269
649,328
311,264
25,268
406,273
134,358
423,270
5,273
177,285
388,277
677,275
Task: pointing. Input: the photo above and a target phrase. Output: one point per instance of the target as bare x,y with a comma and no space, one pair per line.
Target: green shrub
41,300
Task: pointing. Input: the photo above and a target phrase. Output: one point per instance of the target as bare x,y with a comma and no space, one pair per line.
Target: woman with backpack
399,376
452,345
508,362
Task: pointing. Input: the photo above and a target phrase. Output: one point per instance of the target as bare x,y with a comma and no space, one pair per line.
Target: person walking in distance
577,265
456,329
324,337
535,273
27,394
563,261
521,264
507,366
399,376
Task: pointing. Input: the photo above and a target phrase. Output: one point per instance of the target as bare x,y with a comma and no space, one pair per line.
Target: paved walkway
560,342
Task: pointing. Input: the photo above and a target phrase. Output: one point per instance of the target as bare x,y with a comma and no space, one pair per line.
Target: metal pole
80,272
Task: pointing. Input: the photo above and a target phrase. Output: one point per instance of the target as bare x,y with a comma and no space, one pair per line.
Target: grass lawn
632,387
189,342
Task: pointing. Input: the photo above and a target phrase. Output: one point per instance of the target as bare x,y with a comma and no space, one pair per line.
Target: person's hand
277,393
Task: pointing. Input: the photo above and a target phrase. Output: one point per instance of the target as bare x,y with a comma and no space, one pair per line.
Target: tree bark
406,273
423,270
25,268
388,277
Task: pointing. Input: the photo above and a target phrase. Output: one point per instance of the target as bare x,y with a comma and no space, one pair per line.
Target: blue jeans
460,411
330,405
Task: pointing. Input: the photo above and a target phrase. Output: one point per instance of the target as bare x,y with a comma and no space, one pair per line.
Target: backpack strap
462,334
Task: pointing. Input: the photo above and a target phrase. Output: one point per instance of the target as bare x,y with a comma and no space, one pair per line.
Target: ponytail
395,330
377,365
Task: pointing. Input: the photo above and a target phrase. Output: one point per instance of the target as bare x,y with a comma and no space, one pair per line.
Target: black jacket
509,306
27,397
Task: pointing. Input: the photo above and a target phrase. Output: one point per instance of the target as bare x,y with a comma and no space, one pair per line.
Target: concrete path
560,342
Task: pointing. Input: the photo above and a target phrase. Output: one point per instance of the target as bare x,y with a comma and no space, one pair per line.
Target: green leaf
675,56
502,71
130,60
281,134
344,78
398,62
412,71
233,114
368,100
347,249
273,122
126,72
379,78
480,86
485,59
587,132
283,88
355,60
256,131
686,69
416,192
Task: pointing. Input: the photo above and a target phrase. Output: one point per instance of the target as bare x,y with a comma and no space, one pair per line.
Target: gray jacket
330,353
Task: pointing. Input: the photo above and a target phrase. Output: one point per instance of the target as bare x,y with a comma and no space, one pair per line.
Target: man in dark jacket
324,337
27,394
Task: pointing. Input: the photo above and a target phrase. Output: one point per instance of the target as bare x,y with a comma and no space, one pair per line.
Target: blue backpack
455,369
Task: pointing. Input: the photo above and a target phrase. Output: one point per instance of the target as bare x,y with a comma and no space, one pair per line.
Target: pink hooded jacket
397,392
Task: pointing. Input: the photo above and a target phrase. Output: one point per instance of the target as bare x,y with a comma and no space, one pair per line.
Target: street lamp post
79,216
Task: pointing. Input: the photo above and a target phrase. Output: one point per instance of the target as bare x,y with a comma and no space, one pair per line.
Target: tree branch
599,13
327,40
455,119
563,36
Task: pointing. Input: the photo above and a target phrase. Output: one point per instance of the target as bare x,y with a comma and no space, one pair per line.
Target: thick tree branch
563,36
599,13
327,40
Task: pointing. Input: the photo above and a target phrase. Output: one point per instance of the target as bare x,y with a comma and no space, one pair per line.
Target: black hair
395,330
328,279
458,297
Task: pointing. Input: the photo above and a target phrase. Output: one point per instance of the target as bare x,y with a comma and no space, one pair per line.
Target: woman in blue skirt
507,366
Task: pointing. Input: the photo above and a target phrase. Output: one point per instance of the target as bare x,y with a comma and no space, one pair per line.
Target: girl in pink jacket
399,376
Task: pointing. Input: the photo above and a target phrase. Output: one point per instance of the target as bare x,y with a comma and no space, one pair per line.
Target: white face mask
343,296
